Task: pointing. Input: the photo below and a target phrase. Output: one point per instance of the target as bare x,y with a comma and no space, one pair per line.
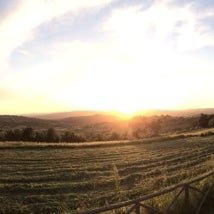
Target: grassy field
61,178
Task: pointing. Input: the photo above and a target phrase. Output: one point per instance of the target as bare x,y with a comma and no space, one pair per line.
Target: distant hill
80,119
62,115
92,119
178,113
13,121
148,112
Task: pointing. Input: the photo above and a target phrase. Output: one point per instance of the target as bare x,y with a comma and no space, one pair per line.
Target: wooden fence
136,205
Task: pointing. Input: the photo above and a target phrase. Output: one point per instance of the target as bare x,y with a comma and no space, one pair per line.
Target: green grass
62,178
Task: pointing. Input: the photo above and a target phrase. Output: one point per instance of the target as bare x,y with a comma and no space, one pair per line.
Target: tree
136,133
9,135
98,137
17,134
52,135
40,136
71,137
68,137
27,134
114,136
12,135
155,127
211,122
203,121
124,136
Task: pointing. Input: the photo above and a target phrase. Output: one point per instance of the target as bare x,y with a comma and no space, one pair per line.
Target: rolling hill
145,112
13,121
92,123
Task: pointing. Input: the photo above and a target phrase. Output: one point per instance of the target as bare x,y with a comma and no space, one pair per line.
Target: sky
124,55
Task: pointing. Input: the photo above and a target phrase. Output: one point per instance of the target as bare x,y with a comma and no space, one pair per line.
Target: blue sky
60,55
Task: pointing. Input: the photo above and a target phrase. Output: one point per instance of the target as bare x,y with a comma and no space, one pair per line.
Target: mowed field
61,178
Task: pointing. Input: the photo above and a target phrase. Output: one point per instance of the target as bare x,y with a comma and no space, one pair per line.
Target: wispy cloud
153,46
19,24
163,33
162,22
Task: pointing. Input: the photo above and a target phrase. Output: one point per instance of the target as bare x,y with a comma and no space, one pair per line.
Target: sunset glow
105,55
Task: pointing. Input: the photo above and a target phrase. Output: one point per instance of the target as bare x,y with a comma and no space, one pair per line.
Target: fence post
137,208
186,198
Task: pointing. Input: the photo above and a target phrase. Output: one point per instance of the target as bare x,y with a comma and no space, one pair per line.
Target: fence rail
134,206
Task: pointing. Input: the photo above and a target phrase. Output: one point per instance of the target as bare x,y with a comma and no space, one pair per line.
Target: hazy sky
61,55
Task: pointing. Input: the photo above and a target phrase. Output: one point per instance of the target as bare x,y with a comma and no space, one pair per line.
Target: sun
126,88
126,110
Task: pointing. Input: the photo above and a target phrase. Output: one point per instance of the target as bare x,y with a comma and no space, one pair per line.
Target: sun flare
125,112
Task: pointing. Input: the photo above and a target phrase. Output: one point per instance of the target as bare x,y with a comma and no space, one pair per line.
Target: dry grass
60,178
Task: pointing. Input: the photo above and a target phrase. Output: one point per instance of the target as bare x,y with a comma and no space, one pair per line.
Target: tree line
140,127
206,121
49,135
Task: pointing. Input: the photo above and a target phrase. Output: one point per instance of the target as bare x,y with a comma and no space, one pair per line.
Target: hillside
104,127
58,178
177,113
63,115
93,119
13,121
145,112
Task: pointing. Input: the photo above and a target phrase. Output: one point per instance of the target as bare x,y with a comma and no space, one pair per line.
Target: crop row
87,177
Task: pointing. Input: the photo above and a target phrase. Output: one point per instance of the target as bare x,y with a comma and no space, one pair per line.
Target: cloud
162,22
163,33
147,47
19,24
138,45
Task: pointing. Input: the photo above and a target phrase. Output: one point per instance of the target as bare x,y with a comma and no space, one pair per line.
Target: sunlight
128,76
123,92
126,111
127,88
